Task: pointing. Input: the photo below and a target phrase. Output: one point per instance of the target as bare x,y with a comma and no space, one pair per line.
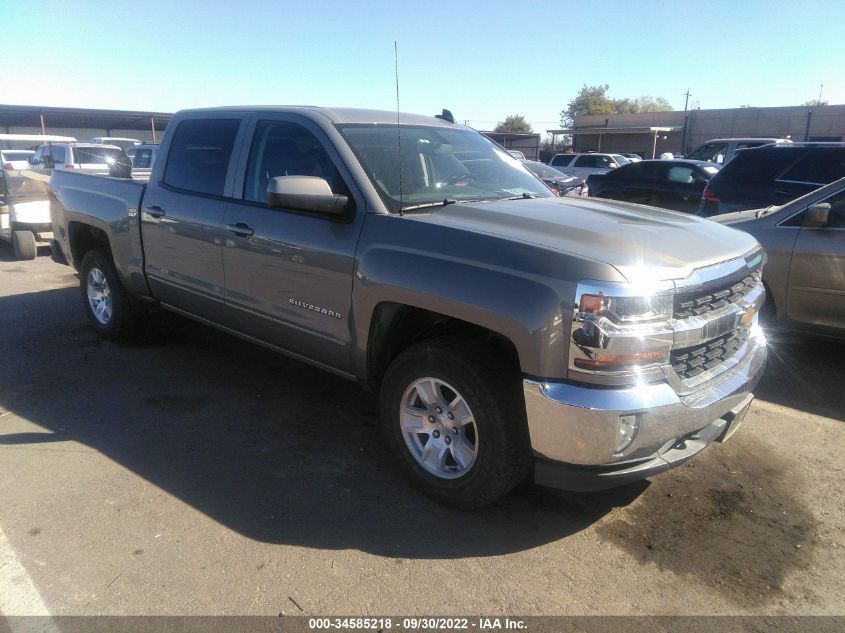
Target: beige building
679,132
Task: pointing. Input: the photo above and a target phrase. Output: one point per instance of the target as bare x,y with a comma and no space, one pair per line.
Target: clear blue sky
483,60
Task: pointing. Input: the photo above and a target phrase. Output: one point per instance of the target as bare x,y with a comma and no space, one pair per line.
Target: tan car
805,274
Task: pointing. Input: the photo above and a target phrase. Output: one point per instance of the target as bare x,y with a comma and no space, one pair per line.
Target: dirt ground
193,473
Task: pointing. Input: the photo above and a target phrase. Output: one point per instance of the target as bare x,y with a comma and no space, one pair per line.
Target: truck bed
106,203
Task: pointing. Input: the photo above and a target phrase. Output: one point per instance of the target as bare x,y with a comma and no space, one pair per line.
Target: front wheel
107,304
455,415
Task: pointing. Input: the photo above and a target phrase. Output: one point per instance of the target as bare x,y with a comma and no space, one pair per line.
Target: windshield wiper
428,205
522,196
764,212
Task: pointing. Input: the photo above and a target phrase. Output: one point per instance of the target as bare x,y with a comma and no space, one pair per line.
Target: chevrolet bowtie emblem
748,316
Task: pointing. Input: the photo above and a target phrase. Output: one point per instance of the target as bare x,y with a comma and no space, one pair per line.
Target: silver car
585,164
805,242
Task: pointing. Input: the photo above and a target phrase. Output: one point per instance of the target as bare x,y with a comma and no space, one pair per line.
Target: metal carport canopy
602,130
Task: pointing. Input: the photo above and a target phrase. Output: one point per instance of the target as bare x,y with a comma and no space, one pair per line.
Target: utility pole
685,133
821,88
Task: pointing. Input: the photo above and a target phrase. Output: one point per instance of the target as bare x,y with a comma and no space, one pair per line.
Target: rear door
816,294
678,188
641,181
289,273
182,215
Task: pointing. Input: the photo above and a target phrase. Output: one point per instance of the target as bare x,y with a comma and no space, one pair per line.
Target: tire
107,305
484,458
23,245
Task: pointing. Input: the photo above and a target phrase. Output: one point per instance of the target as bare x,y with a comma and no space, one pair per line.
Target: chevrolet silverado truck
508,332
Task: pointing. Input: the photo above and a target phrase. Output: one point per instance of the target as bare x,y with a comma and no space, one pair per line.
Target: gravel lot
193,473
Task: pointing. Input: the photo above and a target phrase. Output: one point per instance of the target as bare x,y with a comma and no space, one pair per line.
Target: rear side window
562,160
58,153
96,155
142,158
758,165
682,174
199,155
818,166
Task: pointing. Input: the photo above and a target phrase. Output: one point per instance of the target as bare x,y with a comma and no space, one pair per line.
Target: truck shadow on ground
284,453
273,449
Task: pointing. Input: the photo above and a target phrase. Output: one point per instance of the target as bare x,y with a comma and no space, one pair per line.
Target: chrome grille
691,361
699,302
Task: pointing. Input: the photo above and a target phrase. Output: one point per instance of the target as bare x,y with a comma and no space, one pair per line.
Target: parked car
119,141
670,184
87,156
143,155
562,184
516,154
772,175
12,159
24,196
25,213
722,150
633,157
585,164
805,274
507,330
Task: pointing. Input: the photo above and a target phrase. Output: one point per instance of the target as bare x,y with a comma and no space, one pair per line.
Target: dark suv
772,175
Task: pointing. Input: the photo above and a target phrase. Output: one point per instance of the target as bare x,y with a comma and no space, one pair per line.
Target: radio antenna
398,128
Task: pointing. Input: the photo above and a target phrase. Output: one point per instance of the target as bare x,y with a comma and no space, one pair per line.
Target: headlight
621,330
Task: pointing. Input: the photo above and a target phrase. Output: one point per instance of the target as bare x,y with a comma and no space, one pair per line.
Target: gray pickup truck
508,332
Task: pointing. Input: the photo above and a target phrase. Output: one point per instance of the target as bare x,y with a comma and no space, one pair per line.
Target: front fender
520,291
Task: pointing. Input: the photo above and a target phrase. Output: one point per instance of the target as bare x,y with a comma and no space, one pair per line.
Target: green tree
594,100
514,123
590,100
815,102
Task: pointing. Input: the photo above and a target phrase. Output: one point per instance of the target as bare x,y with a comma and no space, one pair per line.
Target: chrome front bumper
573,427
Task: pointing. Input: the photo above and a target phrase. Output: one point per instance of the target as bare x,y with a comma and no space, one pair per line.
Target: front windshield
436,164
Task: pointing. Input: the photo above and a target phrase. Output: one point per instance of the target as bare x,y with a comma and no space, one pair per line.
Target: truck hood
642,243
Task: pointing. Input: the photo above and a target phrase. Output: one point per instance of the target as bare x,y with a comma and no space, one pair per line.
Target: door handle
154,211
240,229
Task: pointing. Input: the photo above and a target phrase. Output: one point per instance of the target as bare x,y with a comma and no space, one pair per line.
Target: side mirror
121,167
305,193
817,215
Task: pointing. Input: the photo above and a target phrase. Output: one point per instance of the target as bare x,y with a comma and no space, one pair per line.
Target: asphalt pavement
193,473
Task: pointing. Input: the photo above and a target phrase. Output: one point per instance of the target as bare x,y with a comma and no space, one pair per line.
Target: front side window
280,148
199,155
714,152
429,164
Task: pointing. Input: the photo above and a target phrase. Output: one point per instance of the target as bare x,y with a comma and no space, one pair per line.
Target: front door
289,273
817,274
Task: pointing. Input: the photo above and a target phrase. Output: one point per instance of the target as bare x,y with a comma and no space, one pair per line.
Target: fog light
626,430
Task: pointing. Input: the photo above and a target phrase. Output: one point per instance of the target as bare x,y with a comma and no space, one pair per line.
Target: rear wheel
107,304
455,415
23,245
